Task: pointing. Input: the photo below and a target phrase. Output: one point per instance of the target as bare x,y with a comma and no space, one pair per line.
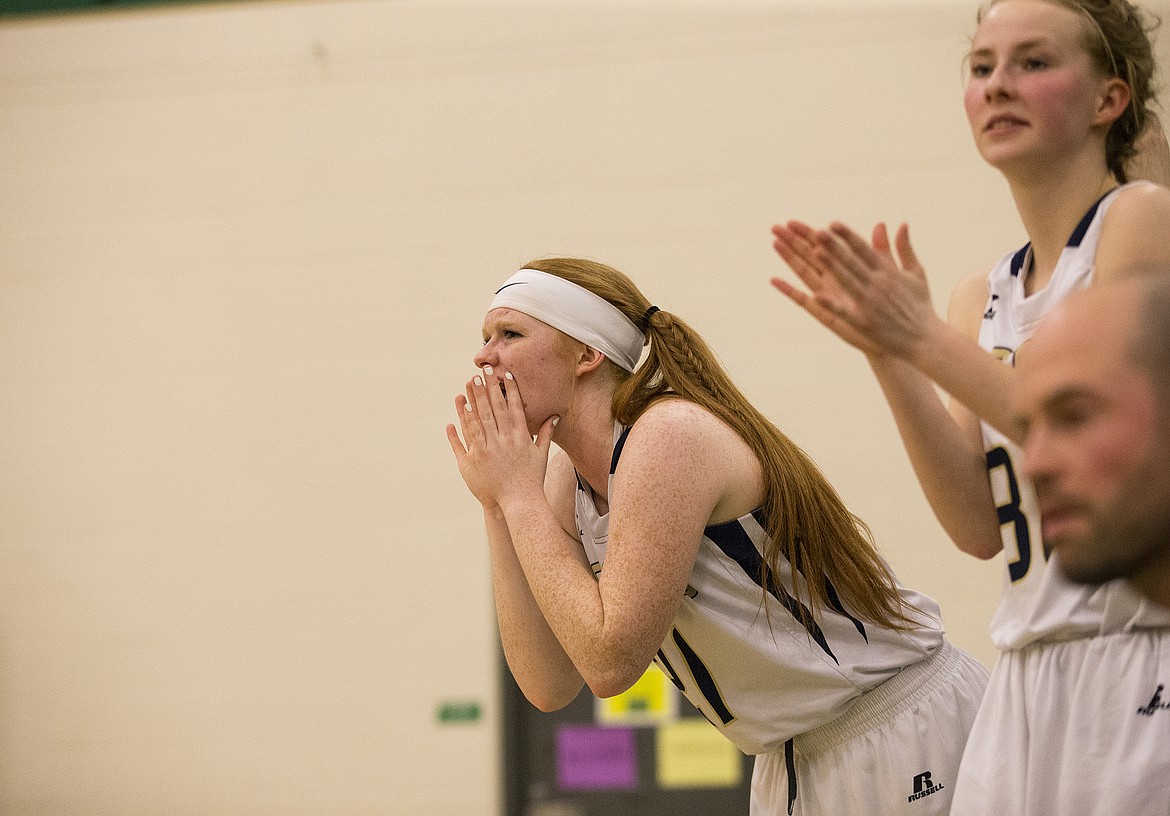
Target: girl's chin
534,425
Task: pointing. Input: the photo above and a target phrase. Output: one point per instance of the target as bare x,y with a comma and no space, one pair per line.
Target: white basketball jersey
1039,603
763,676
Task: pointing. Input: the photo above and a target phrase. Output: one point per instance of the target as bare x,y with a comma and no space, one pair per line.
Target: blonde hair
1117,40
807,522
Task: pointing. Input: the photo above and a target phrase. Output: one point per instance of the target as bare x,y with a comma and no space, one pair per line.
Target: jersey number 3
1010,512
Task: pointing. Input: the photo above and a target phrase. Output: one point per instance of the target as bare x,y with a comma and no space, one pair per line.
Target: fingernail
555,421
478,381
487,370
467,407
508,375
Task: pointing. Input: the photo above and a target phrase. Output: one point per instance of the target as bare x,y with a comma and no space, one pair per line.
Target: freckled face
540,357
1032,87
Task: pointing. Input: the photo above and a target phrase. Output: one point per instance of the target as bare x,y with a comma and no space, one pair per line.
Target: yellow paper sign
692,754
650,701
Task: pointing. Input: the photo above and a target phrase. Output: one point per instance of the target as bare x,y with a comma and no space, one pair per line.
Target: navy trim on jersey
790,766
670,672
703,679
835,602
664,664
1078,234
733,540
831,595
1019,258
1074,240
617,450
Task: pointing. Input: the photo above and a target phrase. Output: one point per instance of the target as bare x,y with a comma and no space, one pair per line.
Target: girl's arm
882,306
944,447
680,470
670,480
542,669
885,304
1135,235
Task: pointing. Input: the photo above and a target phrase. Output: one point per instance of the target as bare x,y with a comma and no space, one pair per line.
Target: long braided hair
807,522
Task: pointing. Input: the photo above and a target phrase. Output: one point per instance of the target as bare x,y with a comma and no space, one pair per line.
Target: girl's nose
998,83
485,356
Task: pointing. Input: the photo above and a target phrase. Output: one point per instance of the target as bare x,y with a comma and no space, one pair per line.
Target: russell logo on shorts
923,787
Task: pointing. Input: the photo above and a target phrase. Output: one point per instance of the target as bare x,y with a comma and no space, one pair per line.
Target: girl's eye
507,334
1035,64
980,70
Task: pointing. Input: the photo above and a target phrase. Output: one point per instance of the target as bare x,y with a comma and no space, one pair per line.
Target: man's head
1093,400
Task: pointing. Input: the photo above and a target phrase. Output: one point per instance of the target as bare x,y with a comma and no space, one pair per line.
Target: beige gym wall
244,254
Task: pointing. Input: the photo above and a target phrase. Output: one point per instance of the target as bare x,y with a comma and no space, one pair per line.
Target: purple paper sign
589,757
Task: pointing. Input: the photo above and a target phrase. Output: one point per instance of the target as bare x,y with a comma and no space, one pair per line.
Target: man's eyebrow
1072,391
1069,395
1055,401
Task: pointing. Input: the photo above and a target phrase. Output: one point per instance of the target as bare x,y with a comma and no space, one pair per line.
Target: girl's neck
1050,207
586,436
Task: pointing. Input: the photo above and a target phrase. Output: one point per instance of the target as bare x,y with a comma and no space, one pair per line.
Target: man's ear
589,359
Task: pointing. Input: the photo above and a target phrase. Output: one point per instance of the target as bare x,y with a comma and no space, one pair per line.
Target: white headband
574,310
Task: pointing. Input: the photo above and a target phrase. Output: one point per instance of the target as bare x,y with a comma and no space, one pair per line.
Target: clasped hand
498,458
858,290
